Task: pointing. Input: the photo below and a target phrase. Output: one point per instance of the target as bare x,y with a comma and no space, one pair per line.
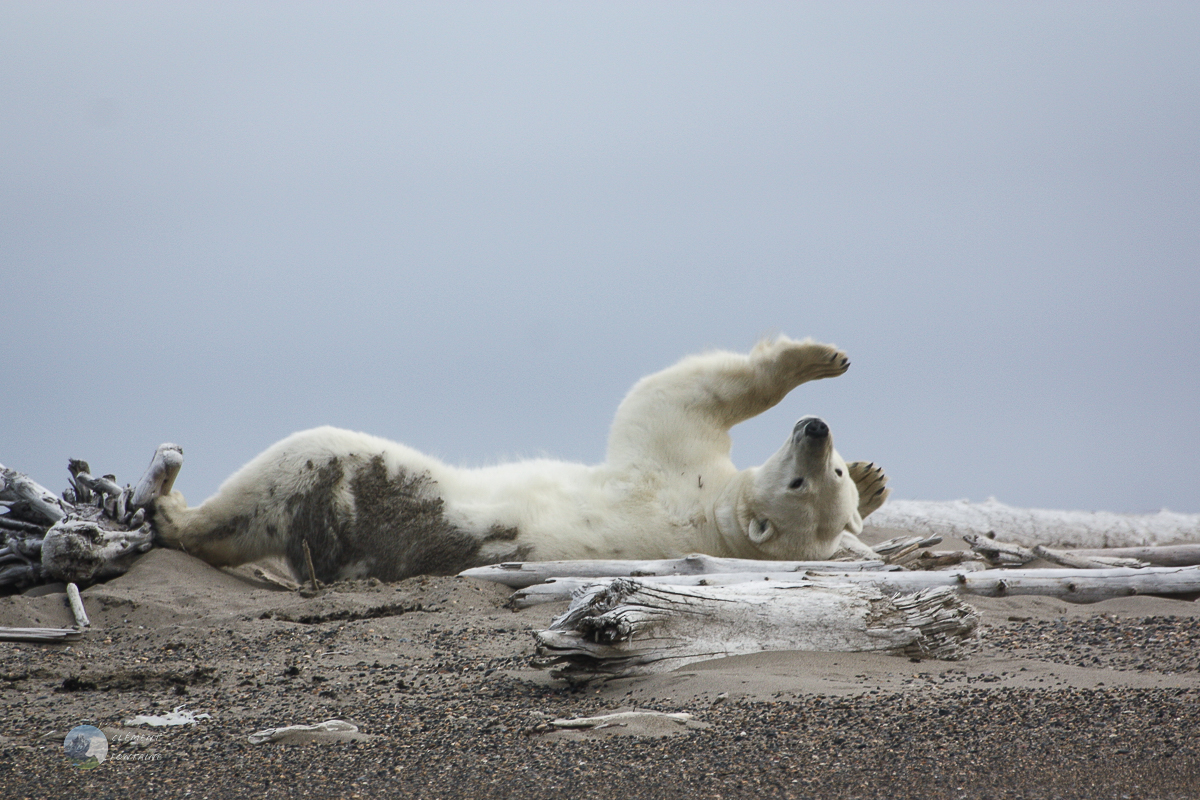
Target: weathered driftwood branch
943,559
159,477
103,491
555,590
77,610
999,554
1071,585
630,627
38,634
518,575
1071,559
912,552
20,526
1004,554
902,550
21,575
82,549
27,499
1170,555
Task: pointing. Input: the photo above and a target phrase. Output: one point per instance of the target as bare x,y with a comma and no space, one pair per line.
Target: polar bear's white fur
370,507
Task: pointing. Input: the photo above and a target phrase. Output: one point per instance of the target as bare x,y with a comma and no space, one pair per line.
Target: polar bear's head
797,504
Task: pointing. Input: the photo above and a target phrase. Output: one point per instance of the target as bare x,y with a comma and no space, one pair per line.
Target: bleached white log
77,610
997,553
28,499
1000,553
1177,555
1073,560
85,550
518,575
942,559
37,634
1030,526
102,485
558,589
630,627
159,477
21,527
1071,585
1082,586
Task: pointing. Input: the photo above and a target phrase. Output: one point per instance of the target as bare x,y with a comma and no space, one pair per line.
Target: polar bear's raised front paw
872,485
809,360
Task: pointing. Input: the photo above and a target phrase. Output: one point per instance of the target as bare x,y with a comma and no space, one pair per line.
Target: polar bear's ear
854,525
761,530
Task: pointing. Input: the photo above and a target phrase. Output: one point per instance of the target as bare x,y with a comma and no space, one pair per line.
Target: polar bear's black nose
816,428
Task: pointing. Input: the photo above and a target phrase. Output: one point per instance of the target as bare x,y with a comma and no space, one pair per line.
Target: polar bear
368,507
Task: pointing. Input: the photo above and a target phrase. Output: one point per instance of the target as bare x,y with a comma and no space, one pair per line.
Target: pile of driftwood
636,617
91,532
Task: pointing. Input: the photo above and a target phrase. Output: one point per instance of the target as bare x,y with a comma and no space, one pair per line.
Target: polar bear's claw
872,485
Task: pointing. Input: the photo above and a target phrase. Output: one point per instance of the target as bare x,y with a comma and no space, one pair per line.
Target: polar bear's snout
813,427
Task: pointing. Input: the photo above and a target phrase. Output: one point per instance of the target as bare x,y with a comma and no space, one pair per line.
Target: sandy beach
1057,701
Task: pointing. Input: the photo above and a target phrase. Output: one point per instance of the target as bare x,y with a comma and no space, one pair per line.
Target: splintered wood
629,627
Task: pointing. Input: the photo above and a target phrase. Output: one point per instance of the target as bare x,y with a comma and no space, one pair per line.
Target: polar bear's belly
361,521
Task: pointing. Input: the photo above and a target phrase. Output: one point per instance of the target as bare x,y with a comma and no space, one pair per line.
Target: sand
1058,701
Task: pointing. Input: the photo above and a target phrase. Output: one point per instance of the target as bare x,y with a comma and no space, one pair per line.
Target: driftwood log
1007,554
1167,555
1071,585
625,627
27,500
518,575
39,634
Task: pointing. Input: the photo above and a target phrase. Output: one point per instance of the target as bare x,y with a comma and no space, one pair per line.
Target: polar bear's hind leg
359,518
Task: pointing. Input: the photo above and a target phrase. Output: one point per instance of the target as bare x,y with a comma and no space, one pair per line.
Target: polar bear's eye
838,471
796,484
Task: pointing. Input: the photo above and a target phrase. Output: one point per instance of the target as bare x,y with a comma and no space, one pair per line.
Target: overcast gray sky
471,227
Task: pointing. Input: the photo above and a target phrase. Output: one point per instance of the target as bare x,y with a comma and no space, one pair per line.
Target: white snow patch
1032,526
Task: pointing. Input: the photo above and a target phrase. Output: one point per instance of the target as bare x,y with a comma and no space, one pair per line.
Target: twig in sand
81,617
312,573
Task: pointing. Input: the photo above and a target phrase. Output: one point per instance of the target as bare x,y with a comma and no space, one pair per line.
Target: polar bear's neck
733,514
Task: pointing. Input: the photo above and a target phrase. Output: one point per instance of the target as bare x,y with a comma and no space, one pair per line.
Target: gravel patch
437,673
